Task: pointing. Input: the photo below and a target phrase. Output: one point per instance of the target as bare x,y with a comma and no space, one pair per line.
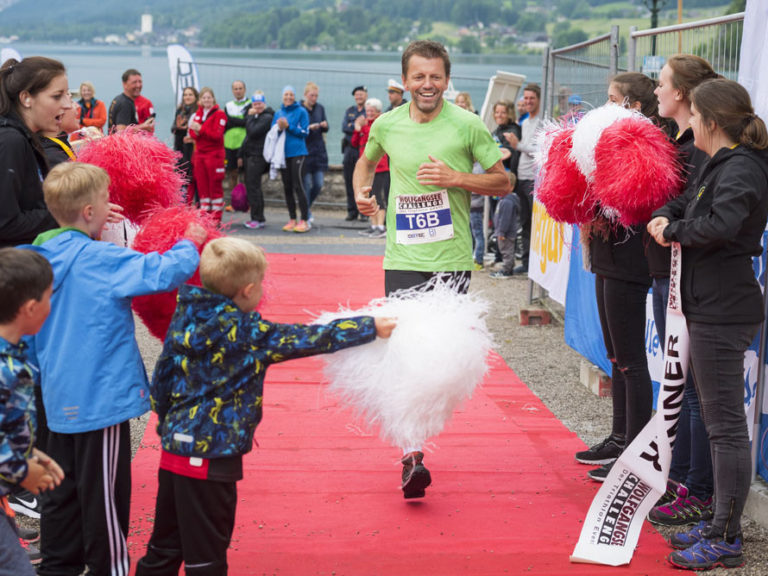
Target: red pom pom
142,170
637,170
162,228
563,189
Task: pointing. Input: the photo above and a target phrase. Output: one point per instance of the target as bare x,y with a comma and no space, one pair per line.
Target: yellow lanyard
64,147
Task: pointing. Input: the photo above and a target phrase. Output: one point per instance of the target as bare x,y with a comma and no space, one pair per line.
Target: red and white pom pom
142,171
543,139
587,133
162,229
563,190
637,170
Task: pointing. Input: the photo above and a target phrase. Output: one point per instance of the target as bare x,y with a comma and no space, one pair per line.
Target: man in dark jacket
257,124
351,154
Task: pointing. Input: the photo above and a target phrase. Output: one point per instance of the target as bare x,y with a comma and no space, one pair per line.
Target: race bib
423,218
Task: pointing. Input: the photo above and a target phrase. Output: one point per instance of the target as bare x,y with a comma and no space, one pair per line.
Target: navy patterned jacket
17,413
208,382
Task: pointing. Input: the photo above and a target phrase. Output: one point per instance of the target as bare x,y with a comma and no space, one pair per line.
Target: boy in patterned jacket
207,391
26,283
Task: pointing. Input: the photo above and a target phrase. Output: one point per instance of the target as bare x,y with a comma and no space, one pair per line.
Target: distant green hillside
467,25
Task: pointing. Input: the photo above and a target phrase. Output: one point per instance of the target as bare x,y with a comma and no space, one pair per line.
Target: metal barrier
717,40
581,69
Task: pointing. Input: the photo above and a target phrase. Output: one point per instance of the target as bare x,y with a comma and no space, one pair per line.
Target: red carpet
321,496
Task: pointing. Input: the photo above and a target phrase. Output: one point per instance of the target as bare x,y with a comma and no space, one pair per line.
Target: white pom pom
410,384
543,141
588,132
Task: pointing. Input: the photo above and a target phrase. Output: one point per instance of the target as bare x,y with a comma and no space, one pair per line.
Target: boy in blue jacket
207,391
26,283
92,375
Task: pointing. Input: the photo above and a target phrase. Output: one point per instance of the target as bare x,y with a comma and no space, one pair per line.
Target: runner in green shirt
432,146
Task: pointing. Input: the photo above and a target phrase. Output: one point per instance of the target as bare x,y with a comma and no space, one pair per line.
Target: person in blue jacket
207,390
92,375
293,118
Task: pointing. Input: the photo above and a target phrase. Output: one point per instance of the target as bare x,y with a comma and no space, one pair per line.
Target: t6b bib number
423,218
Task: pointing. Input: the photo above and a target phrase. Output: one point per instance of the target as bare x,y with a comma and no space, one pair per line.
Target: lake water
336,73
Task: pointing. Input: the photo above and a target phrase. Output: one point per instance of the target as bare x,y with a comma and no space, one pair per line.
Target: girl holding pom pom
720,226
621,286
691,460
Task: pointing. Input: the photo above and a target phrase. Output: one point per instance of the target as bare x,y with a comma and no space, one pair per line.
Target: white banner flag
550,255
639,477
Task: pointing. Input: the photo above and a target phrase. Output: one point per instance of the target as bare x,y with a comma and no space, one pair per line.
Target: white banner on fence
754,52
639,476
550,254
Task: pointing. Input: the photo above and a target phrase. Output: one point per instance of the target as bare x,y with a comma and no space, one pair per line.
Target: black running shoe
416,477
603,453
25,503
600,474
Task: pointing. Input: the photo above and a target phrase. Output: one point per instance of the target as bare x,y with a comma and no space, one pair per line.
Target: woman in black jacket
34,94
257,124
689,490
617,258
182,142
720,226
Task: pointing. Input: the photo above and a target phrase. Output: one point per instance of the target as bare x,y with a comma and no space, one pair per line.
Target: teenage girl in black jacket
618,261
720,227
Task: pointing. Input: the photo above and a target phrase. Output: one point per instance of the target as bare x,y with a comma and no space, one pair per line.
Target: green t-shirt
459,139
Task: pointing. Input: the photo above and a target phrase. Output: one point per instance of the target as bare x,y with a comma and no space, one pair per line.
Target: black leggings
293,185
621,306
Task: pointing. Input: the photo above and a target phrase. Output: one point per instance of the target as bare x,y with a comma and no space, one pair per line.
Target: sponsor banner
550,253
582,323
639,477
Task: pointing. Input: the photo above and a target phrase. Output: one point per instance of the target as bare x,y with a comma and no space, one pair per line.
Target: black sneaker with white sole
604,452
25,503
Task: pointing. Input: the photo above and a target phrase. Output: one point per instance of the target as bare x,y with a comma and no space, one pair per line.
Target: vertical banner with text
639,477
550,253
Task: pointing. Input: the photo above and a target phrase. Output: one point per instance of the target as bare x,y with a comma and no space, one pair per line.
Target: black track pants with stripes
84,522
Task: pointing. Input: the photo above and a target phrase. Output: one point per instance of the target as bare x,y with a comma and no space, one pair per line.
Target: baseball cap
356,88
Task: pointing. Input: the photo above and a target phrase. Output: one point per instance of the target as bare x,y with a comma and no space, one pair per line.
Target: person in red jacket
206,128
380,188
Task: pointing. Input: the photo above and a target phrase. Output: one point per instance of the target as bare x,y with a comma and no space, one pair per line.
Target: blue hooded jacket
92,374
297,131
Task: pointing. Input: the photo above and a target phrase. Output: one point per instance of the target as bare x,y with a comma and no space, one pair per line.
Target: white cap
395,85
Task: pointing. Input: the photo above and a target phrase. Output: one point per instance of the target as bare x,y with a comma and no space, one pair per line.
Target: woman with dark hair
34,94
182,141
617,258
688,498
720,227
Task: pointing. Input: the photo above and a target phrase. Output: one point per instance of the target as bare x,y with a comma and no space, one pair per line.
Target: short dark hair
535,88
24,275
130,72
426,49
